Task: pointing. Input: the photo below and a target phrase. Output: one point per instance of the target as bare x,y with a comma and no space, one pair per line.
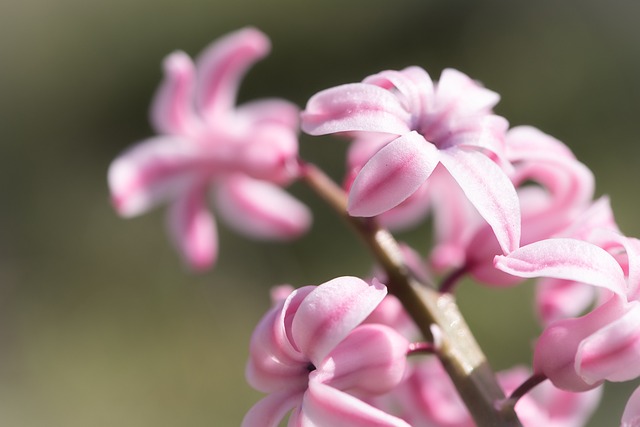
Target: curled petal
172,108
489,190
152,171
331,312
631,414
193,228
355,107
325,406
557,349
269,411
371,360
457,91
413,84
392,174
568,259
613,351
221,67
261,210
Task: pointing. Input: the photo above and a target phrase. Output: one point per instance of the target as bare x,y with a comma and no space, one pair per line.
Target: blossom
427,397
244,153
311,354
406,127
578,354
553,189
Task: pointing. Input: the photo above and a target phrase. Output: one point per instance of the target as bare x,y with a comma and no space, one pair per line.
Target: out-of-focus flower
405,128
311,354
244,153
428,398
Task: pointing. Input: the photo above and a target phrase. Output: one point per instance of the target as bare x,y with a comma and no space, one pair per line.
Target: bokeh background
100,323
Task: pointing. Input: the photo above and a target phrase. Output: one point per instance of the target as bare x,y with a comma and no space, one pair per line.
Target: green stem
457,349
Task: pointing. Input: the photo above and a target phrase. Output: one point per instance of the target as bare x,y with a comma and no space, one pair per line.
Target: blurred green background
100,323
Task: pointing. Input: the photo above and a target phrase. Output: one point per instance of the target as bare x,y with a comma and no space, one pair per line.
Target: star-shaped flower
205,142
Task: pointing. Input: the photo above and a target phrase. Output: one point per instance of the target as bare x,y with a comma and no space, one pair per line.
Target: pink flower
563,190
428,398
405,127
311,356
205,142
578,354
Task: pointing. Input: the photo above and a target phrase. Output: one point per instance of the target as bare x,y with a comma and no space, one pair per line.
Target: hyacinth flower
243,154
427,397
553,188
406,126
581,353
314,358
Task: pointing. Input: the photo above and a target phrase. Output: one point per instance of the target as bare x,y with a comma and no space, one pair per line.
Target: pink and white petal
392,175
410,212
560,299
557,348
486,133
193,228
151,172
489,190
261,210
458,92
271,110
413,88
271,154
568,259
364,146
455,220
329,313
172,107
270,411
631,414
371,360
323,405
274,360
355,107
273,363
222,65
612,352
526,142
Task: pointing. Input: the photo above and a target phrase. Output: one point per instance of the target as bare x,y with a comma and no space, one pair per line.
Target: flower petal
557,349
631,415
568,259
150,172
172,107
221,67
269,411
371,359
272,110
413,84
355,107
260,209
457,91
193,228
392,174
489,190
323,405
329,313
274,362
613,351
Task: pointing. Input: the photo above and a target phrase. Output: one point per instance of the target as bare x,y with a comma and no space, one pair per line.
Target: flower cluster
506,203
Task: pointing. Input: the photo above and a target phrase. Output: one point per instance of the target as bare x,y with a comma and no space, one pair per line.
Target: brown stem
458,350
